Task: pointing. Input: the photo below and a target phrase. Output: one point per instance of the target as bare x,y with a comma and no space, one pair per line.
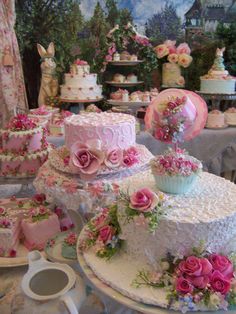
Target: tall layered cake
80,84
218,80
100,149
24,147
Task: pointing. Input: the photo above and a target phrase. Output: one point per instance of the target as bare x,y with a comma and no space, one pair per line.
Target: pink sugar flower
113,158
70,186
42,210
183,286
143,200
2,211
105,234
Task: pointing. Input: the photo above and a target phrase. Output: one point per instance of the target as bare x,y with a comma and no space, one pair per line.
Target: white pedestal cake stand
217,98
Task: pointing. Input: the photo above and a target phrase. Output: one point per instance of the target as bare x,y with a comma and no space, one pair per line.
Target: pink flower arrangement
142,40
214,272
21,122
88,159
180,54
173,163
144,200
195,280
71,239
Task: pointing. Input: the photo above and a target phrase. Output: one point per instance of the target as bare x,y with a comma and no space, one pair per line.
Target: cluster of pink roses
174,164
111,51
38,211
21,122
142,40
71,238
87,159
214,273
41,111
180,54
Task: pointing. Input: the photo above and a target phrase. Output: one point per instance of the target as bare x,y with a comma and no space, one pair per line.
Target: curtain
12,88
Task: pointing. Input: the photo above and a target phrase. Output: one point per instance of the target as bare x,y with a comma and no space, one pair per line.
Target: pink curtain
12,88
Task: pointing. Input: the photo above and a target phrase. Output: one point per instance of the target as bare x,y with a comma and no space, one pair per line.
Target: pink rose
183,286
222,264
100,221
42,210
144,200
108,58
130,158
194,266
173,58
105,234
219,283
161,51
113,158
163,134
183,48
184,60
132,151
199,282
86,160
39,198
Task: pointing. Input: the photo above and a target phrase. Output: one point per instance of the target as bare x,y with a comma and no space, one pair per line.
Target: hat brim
199,104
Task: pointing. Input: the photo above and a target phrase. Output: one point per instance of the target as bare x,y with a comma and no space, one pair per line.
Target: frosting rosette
86,159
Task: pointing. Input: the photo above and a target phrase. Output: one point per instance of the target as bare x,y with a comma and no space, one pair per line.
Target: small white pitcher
45,281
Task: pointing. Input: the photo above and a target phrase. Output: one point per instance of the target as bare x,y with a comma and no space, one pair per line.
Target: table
215,148
217,98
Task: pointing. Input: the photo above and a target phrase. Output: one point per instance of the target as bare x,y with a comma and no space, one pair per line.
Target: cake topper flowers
173,54
196,281
176,115
21,122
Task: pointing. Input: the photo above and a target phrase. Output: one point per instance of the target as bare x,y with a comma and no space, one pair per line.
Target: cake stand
26,184
125,62
217,98
80,102
132,105
125,84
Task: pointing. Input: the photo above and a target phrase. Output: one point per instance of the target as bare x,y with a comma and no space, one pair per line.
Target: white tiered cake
80,84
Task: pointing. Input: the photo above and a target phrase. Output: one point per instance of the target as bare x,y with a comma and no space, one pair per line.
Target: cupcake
132,78
175,172
118,78
125,56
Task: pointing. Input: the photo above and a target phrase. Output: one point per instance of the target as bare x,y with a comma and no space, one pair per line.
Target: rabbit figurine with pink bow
49,83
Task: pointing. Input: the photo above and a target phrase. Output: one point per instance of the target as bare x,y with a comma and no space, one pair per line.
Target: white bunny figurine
49,84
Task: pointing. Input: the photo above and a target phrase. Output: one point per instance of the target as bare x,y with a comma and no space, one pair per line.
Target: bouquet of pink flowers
197,281
173,54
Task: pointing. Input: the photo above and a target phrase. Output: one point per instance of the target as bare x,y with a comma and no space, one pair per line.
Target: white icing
76,80
218,86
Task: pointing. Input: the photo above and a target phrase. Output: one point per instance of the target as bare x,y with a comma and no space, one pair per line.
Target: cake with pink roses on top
175,57
24,147
56,126
29,221
80,84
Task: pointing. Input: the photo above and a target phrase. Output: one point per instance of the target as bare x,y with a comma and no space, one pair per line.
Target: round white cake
80,84
207,213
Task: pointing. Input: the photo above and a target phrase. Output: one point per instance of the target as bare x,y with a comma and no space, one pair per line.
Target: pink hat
176,114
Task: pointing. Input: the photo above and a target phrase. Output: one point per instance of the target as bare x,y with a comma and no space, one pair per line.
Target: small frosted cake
80,84
24,147
218,80
215,119
9,233
230,116
125,56
118,78
171,75
175,172
69,246
132,78
39,226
